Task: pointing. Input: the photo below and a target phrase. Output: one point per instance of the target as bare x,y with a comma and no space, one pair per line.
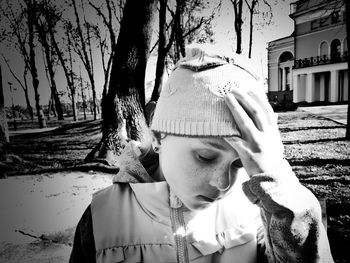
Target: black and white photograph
177,131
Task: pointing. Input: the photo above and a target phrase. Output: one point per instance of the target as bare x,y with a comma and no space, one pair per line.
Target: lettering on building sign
333,18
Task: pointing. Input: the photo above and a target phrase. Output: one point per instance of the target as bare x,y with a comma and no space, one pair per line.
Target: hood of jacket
131,169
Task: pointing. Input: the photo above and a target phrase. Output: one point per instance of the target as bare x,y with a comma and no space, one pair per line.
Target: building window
285,57
324,49
335,46
335,50
335,17
345,45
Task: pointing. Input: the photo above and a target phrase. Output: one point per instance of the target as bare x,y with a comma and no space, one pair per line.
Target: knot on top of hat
199,58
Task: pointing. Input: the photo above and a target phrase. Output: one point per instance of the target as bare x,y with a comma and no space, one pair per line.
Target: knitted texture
192,100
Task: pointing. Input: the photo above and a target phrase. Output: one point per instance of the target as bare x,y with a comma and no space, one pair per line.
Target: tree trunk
348,42
33,69
237,7
125,100
24,86
54,93
107,20
179,36
25,89
68,71
74,105
70,76
251,12
161,51
86,56
4,134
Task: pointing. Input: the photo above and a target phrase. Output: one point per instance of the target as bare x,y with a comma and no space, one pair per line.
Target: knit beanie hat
191,102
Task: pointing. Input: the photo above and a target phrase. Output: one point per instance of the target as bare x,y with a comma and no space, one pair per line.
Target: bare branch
13,74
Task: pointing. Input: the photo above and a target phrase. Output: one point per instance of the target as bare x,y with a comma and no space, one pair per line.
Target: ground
43,196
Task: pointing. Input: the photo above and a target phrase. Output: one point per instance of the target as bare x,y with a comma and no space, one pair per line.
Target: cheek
182,171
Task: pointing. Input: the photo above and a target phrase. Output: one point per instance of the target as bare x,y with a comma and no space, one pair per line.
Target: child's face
198,170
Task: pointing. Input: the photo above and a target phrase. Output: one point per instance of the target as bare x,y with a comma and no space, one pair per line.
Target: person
212,186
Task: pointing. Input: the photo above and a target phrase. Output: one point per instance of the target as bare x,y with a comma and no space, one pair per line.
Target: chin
198,206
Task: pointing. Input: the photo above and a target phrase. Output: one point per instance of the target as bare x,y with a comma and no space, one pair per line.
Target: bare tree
163,49
83,96
347,8
251,8
70,76
125,100
237,8
83,47
188,16
47,12
22,28
31,18
4,134
23,85
107,48
197,27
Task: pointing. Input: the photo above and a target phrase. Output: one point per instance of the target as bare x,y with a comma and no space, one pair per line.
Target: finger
236,143
239,146
263,101
244,122
253,109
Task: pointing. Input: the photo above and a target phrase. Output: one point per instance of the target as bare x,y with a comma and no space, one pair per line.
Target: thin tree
71,75
62,49
50,57
4,133
251,8
163,49
23,85
83,47
179,45
107,43
347,8
125,100
238,22
31,17
83,96
189,13
22,28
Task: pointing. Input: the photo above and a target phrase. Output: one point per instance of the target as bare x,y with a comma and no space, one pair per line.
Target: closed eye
206,159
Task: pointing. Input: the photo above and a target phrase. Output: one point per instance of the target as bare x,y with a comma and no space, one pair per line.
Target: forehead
195,142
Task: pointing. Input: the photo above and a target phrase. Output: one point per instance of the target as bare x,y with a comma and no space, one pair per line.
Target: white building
311,64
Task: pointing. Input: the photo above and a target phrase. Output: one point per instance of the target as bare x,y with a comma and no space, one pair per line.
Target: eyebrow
214,144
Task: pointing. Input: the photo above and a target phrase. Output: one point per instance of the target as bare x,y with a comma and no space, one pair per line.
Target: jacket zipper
179,232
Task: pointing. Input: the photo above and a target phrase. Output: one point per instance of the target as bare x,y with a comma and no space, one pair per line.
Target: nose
221,180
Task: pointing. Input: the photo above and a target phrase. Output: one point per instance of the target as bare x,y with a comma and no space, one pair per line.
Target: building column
346,89
295,88
322,87
310,88
291,78
334,86
284,78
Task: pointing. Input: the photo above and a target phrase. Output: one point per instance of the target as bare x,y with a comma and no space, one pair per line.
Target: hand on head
259,146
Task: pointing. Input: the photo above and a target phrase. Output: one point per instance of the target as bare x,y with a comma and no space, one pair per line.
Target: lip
207,199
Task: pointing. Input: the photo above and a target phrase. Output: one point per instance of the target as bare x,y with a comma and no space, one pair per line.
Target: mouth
207,199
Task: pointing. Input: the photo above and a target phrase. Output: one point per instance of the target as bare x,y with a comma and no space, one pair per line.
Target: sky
280,26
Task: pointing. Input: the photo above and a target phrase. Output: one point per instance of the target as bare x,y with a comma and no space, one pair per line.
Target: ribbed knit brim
192,100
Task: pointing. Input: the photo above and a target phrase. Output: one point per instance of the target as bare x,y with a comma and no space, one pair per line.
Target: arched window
335,50
324,49
285,57
335,46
